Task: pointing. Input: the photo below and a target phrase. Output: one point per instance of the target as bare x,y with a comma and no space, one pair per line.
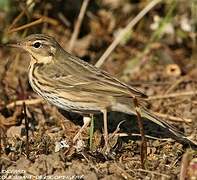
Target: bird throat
40,59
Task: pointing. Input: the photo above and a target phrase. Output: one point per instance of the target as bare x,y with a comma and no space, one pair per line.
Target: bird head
41,48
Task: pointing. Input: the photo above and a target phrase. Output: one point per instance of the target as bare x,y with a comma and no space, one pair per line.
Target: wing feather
77,75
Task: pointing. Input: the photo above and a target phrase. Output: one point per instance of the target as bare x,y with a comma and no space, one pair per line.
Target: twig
184,165
172,95
139,135
63,19
91,131
47,19
132,23
173,118
17,18
174,85
36,22
27,102
78,25
117,129
153,172
27,130
143,148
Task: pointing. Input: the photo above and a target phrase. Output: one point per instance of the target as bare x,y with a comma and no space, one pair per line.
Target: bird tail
177,135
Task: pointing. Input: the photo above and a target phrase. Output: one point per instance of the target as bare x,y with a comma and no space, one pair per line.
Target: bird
74,85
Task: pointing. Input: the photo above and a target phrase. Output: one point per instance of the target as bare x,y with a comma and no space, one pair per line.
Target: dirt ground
36,137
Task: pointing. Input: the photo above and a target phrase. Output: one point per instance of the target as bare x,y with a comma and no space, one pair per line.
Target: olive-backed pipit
75,85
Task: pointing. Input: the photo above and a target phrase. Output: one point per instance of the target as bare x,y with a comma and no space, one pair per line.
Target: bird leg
143,148
104,111
86,122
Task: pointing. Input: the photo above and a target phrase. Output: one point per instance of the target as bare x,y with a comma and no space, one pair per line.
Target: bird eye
37,45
